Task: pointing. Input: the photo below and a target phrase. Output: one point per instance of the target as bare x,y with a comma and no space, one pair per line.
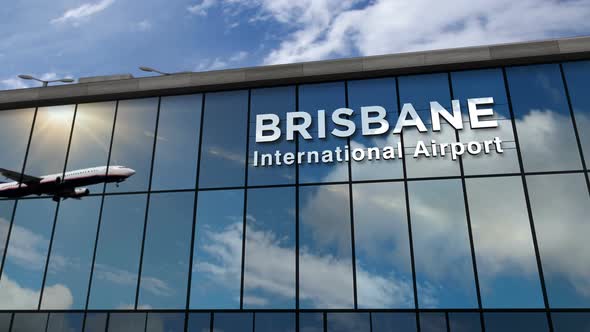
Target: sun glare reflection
60,115
53,124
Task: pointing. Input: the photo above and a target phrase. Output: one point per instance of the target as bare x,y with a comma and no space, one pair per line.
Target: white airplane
60,185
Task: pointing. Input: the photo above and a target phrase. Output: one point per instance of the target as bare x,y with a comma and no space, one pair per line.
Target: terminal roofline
564,49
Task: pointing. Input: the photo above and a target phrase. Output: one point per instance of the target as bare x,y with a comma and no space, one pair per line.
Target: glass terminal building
202,237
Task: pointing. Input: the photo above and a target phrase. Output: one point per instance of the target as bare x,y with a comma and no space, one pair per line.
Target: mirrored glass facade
175,225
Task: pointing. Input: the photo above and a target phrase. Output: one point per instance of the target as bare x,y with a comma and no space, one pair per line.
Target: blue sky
80,38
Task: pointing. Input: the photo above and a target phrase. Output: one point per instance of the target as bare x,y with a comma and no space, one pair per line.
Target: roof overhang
306,72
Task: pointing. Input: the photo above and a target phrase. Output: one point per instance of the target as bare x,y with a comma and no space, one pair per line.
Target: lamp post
163,73
152,70
45,82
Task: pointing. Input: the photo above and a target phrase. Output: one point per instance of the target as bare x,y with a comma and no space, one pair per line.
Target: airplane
67,185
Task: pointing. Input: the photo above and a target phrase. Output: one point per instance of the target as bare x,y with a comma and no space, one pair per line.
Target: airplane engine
80,192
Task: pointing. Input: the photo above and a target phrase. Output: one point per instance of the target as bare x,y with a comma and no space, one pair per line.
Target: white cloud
561,216
4,225
144,25
14,296
320,29
115,275
239,56
18,83
201,8
255,301
124,277
226,154
27,249
211,64
156,286
13,83
270,271
546,138
222,63
76,15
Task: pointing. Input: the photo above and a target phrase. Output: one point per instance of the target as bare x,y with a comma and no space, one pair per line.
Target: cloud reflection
13,296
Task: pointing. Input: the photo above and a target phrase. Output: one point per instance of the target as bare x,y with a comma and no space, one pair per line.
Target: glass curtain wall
198,228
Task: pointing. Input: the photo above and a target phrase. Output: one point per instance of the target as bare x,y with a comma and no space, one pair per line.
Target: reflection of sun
50,137
53,124
93,129
59,115
52,129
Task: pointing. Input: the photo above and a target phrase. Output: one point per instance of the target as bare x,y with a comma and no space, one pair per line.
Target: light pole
45,82
152,70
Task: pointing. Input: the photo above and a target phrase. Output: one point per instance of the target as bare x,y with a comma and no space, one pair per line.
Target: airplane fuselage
66,184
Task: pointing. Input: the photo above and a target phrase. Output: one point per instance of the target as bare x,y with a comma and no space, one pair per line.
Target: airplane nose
131,172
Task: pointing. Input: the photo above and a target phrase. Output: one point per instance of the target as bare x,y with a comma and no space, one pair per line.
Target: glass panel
127,322
420,90
6,209
433,322
177,145
377,92
165,322
91,139
577,75
133,142
5,319
224,139
561,207
269,275
26,255
506,262
325,262
199,322
232,322
277,101
217,258
114,279
348,322
444,273
311,322
95,322
164,275
383,267
275,322
65,322
545,130
515,322
71,253
328,97
464,322
398,322
15,129
27,322
480,84
571,321
47,153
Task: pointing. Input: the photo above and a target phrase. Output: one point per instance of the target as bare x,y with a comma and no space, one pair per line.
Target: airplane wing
16,176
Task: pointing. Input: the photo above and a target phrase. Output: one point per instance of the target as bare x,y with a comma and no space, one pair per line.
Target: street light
45,82
152,70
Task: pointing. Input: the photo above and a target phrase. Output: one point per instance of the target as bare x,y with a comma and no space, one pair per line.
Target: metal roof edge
564,49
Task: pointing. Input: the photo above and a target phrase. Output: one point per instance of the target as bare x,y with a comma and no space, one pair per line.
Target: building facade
225,228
